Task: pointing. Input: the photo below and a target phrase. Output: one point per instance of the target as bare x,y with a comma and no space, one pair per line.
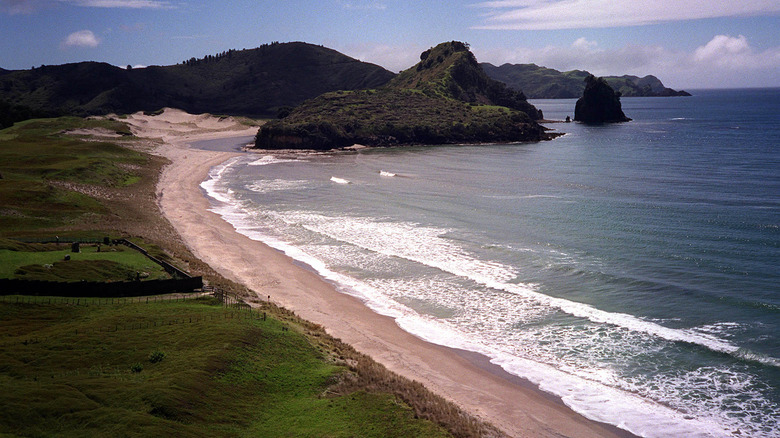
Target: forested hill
445,98
546,83
254,82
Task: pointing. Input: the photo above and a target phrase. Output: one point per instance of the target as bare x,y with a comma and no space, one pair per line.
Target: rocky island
546,83
446,98
599,103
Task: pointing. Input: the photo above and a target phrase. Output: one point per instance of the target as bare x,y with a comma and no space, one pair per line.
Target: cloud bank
14,7
579,14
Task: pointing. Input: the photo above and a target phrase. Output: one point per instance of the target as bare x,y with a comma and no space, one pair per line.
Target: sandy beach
476,386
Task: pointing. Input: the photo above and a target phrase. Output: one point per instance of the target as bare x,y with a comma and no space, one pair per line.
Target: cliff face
445,98
599,103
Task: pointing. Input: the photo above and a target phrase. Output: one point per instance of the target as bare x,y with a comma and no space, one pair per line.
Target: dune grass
40,165
95,371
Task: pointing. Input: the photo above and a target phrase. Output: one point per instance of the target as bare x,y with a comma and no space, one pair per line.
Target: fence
169,268
181,281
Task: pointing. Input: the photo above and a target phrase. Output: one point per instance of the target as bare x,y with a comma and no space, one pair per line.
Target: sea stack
599,103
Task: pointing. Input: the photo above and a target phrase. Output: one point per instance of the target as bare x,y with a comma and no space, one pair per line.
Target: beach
469,381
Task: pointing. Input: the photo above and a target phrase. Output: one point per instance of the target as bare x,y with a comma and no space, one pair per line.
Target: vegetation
178,369
546,83
50,178
252,83
445,98
48,263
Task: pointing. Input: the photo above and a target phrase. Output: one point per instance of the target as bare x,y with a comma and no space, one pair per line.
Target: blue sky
686,43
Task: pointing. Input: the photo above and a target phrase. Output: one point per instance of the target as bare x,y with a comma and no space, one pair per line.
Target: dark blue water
632,269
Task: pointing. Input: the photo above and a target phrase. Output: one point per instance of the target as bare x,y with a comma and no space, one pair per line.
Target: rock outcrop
599,103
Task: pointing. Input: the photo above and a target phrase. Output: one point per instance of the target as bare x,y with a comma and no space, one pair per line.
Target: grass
50,178
87,371
112,263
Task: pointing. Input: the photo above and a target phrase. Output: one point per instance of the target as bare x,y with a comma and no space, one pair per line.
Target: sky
688,44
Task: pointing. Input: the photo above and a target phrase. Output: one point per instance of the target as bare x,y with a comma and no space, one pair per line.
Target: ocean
632,269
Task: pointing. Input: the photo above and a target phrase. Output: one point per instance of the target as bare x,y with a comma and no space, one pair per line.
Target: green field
112,263
177,369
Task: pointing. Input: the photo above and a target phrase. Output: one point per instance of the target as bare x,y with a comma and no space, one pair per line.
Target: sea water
631,269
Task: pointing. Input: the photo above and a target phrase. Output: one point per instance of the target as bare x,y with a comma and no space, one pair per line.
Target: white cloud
362,5
14,7
724,61
82,38
579,14
128,4
29,6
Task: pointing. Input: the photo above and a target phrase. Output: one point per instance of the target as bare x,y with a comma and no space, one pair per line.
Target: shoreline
468,379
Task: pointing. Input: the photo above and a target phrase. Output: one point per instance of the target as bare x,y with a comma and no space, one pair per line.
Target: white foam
384,173
270,159
338,180
215,176
424,245
273,185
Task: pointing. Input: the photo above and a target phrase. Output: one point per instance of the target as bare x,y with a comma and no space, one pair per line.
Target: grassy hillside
546,83
445,98
184,369
48,176
254,82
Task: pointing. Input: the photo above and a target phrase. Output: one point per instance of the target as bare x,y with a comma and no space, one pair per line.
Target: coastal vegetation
139,367
254,82
179,368
546,83
445,98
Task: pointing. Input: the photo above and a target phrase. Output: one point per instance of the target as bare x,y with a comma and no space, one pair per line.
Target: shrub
156,357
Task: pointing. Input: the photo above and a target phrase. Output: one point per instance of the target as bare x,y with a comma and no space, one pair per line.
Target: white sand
517,409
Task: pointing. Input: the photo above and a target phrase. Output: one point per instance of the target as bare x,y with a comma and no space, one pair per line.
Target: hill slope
254,82
546,83
445,98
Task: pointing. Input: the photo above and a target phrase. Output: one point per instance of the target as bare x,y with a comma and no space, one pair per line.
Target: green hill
445,98
255,82
546,83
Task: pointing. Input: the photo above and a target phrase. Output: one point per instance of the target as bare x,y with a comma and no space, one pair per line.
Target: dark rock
599,103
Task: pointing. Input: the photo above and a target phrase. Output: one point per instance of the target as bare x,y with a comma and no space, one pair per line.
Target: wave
270,159
338,180
385,173
428,248
267,186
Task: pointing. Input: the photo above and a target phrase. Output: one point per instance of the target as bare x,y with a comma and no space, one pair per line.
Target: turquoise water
631,269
